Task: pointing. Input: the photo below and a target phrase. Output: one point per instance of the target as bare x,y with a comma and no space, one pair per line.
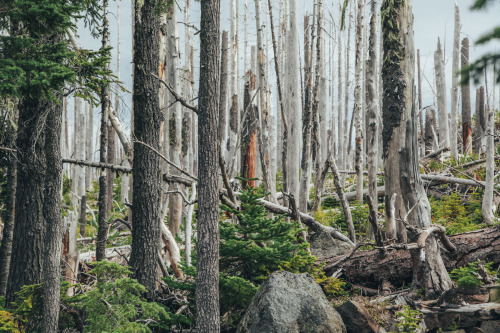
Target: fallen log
370,268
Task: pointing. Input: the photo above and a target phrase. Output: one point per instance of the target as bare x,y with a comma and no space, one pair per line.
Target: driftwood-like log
370,268
435,153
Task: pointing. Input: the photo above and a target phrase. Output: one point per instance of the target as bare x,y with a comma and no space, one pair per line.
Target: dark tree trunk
207,279
466,111
29,227
249,134
102,225
146,212
9,212
83,214
53,220
480,126
111,160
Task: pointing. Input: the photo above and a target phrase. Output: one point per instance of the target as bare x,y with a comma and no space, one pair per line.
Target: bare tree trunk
340,109
454,86
249,133
347,140
175,121
207,279
89,143
265,145
234,111
372,106
488,208
358,103
444,133
466,111
189,226
223,90
293,103
9,211
480,128
400,140
420,106
103,150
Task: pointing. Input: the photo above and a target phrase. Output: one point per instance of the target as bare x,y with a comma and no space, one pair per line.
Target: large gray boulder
290,303
323,245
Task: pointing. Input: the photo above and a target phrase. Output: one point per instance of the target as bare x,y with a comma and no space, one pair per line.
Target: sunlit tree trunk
454,86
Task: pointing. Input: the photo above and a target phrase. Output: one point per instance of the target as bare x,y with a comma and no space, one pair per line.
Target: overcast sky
433,19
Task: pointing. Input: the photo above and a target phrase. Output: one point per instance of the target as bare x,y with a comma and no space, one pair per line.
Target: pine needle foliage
37,60
257,244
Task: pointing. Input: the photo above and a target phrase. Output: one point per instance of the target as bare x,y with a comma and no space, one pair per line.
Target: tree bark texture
488,208
207,279
400,138
466,111
29,226
223,90
439,67
454,85
8,215
174,121
102,225
358,103
146,168
52,246
249,133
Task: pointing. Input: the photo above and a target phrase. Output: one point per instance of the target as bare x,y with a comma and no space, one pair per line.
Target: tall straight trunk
454,86
420,106
466,112
372,105
444,132
293,102
340,109
400,139
8,215
52,247
102,225
81,151
347,141
146,168
488,208
223,90
207,279
322,88
307,120
89,156
110,160
249,132
480,128
358,112
175,121
29,227
234,112
265,122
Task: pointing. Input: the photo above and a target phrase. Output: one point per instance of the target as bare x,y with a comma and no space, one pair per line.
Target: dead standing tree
401,148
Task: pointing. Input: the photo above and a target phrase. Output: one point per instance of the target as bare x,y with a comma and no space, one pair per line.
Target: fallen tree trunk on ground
370,268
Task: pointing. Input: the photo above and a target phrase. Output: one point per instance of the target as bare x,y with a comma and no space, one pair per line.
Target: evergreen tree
258,244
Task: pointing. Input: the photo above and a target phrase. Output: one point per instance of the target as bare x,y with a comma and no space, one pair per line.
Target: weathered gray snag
454,85
488,207
444,133
400,141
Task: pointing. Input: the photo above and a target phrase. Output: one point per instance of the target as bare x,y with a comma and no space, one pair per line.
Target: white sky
433,19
